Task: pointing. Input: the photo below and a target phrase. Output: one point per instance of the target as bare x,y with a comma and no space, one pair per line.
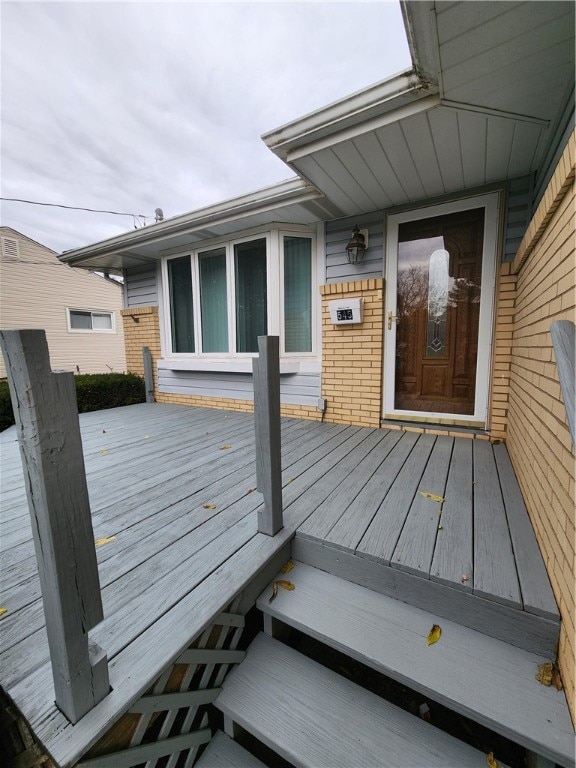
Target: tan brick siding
502,352
142,329
352,356
538,438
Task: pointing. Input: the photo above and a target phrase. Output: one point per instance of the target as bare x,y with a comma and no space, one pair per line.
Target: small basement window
89,320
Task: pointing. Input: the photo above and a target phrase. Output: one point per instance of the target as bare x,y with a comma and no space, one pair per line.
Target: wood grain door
435,296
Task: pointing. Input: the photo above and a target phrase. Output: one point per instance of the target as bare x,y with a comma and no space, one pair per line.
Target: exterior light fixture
356,248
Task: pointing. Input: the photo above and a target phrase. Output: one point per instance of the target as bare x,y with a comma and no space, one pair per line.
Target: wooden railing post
266,374
48,428
148,374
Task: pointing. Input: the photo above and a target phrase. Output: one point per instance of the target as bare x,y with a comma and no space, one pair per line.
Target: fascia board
371,103
277,196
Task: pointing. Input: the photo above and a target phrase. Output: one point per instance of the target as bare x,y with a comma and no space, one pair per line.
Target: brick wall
352,356
538,439
141,329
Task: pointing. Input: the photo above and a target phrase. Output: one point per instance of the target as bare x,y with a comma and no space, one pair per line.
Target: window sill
225,366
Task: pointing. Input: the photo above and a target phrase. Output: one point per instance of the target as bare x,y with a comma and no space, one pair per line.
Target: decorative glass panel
251,299
213,300
297,294
438,292
181,306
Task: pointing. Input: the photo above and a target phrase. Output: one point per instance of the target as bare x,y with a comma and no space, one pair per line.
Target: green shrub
94,391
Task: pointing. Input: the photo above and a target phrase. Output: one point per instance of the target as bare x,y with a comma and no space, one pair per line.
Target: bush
94,391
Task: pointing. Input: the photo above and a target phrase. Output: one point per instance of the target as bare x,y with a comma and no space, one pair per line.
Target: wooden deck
172,489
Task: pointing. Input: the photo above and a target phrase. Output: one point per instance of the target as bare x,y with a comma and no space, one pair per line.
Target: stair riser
517,628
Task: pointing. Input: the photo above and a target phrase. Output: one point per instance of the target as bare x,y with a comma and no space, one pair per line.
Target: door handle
390,318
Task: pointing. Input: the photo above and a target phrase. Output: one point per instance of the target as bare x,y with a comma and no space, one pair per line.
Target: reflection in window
438,293
297,294
213,300
181,309
251,298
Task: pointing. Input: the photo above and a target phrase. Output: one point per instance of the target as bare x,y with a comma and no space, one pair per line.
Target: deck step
314,718
224,752
487,680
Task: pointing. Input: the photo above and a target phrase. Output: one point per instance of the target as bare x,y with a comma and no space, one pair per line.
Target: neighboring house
461,173
79,311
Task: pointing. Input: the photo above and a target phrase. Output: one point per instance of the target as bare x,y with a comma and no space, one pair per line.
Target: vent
10,248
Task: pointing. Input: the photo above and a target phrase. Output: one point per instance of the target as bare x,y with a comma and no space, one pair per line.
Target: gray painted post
148,375
266,374
48,429
564,340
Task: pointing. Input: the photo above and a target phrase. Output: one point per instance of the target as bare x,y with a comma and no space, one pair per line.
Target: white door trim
490,203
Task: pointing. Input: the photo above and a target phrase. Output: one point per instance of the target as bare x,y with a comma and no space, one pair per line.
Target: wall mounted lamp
357,246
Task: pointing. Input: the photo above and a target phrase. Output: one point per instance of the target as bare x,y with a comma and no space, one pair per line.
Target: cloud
134,105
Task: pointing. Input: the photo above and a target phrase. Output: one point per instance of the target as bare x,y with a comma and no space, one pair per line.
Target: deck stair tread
315,718
485,679
224,752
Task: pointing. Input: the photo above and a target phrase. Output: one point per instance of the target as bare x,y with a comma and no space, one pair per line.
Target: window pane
101,321
181,309
80,320
297,294
213,302
251,308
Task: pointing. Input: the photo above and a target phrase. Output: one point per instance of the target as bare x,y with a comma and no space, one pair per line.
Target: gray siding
295,388
558,143
339,232
518,214
141,288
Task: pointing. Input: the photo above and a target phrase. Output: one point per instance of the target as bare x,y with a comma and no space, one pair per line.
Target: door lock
390,318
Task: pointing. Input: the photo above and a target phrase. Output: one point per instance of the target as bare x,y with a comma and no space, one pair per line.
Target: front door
440,289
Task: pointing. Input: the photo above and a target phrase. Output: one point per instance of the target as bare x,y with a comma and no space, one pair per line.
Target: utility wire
75,208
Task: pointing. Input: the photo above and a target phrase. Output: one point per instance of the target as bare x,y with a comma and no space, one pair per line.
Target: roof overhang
295,201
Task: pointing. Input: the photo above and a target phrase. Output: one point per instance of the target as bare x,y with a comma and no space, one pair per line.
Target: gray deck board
415,547
494,564
382,534
453,556
485,679
323,720
223,752
351,526
174,564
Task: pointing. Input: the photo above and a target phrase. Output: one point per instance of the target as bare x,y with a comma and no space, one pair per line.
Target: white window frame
275,296
108,312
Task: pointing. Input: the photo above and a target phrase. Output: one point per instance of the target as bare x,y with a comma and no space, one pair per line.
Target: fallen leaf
225,447
274,591
439,527
288,567
549,674
103,431
290,480
491,761
3,611
434,634
209,506
105,540
104,452
464,578
285,585
146,437
250,490
431,496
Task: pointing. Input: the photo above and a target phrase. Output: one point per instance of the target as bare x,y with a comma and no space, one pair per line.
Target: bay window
220,299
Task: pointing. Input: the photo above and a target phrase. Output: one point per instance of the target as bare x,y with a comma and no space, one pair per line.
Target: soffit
504,72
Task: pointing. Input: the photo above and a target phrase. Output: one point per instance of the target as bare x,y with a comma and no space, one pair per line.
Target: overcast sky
137,105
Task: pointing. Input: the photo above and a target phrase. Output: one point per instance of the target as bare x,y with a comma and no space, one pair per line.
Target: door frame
491,204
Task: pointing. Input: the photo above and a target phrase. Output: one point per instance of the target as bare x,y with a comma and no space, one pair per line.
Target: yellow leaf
434,635
285,585
549,674
288,567
104,452
146,437
491,761
274,591
464,578
209,506
100,542
225,447
431,496
3,611
290,480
